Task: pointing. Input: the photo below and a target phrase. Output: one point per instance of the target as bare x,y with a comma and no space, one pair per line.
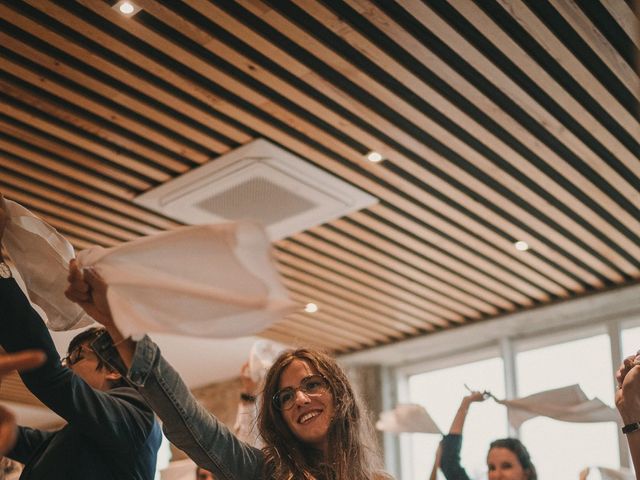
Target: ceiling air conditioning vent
261,182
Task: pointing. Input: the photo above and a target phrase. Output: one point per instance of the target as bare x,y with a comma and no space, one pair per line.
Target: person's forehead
293,374
501,454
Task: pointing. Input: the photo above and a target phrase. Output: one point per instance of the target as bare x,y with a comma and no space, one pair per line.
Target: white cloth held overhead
209,280
262,355
611,474
41,256
569,404
407,418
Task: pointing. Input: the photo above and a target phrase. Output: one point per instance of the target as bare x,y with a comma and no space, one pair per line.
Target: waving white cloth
262,355
209,280
407,418
569,404
610,474
41,256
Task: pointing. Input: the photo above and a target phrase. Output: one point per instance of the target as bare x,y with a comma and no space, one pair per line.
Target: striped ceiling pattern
499,121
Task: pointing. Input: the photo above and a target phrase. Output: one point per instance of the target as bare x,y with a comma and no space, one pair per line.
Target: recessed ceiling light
127,8
374,157
311,308
521,245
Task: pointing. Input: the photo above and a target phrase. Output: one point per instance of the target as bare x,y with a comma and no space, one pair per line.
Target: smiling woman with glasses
311,423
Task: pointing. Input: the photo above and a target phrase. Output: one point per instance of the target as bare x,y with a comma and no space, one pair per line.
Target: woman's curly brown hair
352,454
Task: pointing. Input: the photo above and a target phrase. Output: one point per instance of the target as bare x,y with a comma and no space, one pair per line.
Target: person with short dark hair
111,432
507,459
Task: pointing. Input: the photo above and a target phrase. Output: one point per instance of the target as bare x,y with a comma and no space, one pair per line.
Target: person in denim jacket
310,421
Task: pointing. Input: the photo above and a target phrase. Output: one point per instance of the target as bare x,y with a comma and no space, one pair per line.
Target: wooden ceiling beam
389,260
428,259
141,84
468,90
27,191
50,208
87,126
626,18
504,43
120,96
575,17
556,48
368,312
486,165
80,190
411,292
111,153
123,181
401,300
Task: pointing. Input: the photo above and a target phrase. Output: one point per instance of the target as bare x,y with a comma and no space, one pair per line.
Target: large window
440,392
531,363
562,449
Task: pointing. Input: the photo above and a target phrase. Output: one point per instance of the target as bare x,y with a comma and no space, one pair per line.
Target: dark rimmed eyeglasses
74,356
312,386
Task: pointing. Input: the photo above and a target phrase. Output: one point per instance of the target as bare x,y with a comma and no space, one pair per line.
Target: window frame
507,346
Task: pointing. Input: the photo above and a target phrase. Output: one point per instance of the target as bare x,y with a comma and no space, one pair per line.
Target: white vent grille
259,182
256,198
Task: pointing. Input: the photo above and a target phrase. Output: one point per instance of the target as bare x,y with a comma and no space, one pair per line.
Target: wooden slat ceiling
500,120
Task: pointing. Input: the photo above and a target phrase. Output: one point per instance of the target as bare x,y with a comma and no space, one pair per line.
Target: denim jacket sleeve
186,423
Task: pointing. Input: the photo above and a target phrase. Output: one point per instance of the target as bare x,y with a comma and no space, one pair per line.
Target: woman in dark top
507,459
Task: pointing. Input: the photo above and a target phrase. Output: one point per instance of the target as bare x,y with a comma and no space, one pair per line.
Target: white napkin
207,280
407,418
41,256
610,474
262,355
569,404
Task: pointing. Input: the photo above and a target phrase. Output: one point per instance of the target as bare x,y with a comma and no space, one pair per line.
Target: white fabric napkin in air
207,280
569,404
407,418
41,255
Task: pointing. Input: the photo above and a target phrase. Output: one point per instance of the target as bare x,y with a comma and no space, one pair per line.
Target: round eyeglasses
312,386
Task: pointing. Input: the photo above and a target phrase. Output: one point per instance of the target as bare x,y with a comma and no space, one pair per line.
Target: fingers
95,281
79,290
7,430
24,360
626,366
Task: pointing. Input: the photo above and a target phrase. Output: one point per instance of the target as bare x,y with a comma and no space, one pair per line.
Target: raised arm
628,404
452,443
186,423
436,463
461,415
